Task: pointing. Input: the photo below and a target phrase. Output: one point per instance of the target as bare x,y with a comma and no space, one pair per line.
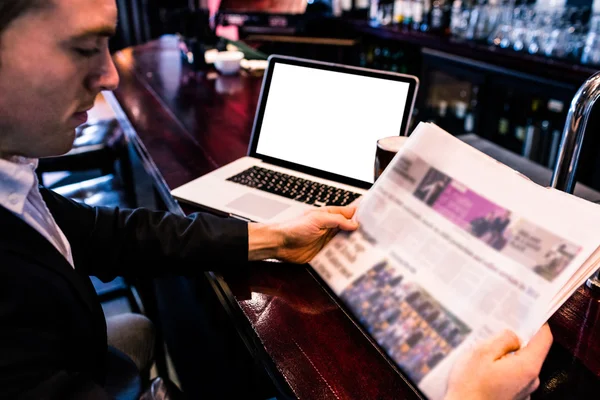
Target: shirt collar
17,178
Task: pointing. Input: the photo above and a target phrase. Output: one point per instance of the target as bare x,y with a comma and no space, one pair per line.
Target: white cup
228,62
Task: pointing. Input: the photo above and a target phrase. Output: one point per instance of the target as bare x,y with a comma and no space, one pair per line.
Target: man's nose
105,76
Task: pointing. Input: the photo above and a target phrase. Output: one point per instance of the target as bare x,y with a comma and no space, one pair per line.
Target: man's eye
87,52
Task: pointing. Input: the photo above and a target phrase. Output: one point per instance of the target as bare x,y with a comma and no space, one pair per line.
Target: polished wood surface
187,123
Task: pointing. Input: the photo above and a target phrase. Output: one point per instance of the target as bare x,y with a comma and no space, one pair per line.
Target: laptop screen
330,120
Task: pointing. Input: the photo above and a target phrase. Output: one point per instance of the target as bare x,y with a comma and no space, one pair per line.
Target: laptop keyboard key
293,187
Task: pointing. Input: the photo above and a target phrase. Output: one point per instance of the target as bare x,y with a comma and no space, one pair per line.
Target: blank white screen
329,120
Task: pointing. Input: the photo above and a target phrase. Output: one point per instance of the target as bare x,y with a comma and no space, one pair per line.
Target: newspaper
454,247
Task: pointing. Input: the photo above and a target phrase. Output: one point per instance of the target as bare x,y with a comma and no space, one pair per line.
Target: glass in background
591,50
563,32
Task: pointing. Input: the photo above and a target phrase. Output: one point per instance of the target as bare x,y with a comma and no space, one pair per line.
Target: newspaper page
452,248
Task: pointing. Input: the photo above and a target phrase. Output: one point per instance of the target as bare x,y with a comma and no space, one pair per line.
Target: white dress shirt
19,193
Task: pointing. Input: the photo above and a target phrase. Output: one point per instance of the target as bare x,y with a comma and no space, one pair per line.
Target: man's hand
493,372
298,241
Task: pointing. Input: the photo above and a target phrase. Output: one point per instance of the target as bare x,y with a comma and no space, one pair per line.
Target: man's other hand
499,369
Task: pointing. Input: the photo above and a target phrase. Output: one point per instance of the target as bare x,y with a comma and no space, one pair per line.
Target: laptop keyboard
293,187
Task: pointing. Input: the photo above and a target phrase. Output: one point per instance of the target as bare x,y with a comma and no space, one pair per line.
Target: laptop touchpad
260,206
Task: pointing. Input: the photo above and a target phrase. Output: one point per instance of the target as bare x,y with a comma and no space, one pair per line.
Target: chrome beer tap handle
564,175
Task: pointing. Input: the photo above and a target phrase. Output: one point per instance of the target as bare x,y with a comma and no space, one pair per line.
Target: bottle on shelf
504,122
345,6
532,144
440,17
398,12
386,12
476,21
545,142
426,16
470,117
458,119
361,6
554,145
398,61
336,8
358,9
374,12
442,114
519,121
417,14
469,126
456,20
556,117
407,15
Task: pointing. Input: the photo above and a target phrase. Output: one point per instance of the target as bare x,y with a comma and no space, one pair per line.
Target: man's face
53,63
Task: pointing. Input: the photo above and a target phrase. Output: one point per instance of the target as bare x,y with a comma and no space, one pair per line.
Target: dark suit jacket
52,327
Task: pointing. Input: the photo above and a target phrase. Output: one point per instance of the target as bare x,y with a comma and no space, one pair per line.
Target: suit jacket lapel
18,236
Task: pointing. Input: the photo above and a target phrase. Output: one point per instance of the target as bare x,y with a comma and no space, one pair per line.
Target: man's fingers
537,348
347,211
534,385
501,344
525,394
330,221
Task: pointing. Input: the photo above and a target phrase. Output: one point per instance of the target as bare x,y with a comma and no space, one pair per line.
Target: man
54,60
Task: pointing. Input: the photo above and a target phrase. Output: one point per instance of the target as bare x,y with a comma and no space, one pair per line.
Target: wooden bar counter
184,124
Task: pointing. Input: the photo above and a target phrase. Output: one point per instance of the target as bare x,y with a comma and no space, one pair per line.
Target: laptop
313,141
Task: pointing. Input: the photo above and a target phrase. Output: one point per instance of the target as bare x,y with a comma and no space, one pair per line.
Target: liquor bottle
417,16
545,142
555,109
358,9
440,17
519,121
361,5
469,126
504,121
456,18
336,8
374,12
460,113
407,15
377,57
426,16
386,12
346,6
556,117
532,141
361,9
442,114
471,111
555,143
398,61
398,12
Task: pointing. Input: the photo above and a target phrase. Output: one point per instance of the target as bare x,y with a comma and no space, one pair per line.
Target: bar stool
106,190
98,146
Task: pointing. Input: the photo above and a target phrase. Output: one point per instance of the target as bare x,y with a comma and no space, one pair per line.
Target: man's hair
13,9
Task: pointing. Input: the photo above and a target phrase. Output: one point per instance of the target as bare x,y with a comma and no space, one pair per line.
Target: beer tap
563,177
